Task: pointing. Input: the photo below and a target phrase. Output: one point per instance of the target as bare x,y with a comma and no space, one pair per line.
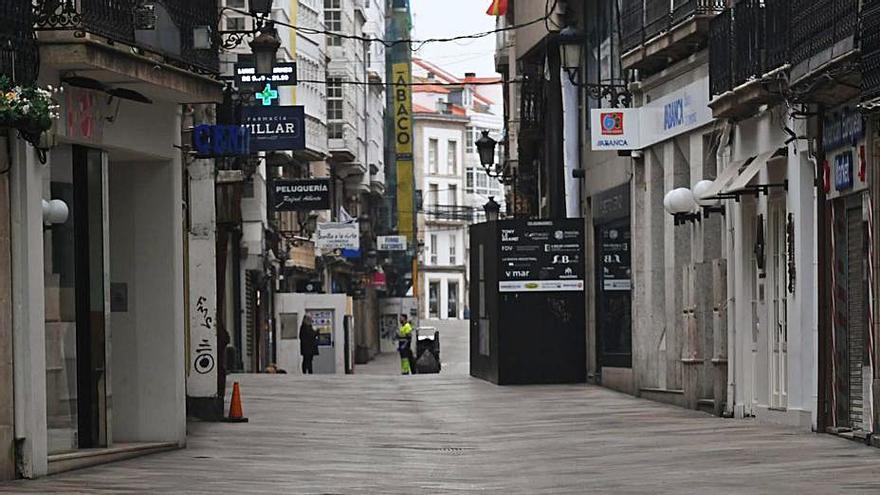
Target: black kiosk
527,302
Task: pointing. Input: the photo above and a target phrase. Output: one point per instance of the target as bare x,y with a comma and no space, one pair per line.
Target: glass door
75,308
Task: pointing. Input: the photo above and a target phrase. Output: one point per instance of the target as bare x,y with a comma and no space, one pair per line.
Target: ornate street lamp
486,150
260,7
571,52
492,209
265,49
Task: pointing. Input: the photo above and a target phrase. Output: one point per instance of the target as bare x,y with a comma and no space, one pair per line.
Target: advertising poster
322,322
542,256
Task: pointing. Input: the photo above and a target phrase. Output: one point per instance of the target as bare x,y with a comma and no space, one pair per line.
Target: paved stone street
374,434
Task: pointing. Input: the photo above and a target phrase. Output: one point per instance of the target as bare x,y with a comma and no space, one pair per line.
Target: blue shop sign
211,141
842,129
275,128
843,171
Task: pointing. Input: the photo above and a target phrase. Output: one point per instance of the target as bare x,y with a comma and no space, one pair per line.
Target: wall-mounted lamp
710,205
55,212
680,204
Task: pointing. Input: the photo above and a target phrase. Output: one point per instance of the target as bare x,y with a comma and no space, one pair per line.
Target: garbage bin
427,344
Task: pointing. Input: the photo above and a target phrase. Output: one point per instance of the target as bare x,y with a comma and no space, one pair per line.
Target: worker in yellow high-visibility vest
404,345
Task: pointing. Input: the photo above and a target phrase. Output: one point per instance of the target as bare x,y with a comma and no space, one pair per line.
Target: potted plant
29,109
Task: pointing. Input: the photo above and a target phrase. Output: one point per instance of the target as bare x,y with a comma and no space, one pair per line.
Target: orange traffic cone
236,415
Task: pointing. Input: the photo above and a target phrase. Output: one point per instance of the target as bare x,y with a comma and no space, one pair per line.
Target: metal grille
856,313
632,24
812,28
720,49
870,44
532,99
250,311
115,20
19,56
777,25
748,30
658,17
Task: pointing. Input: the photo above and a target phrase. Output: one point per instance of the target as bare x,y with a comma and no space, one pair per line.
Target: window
434,299
453,195
433,249
235,23
432,156
452,157
469,139
335,114
452,241
469,180
236,4
333,21
433,195
452,300
482,181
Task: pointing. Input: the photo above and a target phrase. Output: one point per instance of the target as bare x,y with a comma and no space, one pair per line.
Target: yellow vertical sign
403,134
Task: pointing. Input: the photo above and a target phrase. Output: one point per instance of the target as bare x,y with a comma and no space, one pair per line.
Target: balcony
824,49
870,41
449,214
19,58
748,46
125,40
503,42
760,49
656,33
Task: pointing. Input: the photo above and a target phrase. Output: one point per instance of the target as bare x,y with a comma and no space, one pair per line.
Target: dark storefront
613,245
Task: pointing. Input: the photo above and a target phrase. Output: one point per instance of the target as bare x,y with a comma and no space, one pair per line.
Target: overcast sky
446,18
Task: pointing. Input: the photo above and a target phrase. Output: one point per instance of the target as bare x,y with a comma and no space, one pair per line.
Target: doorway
850,311
614,294
75,284
778,304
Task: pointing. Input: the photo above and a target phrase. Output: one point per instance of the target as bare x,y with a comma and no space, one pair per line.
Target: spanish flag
498,7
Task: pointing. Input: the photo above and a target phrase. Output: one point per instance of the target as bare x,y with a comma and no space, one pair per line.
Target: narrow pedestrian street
379,433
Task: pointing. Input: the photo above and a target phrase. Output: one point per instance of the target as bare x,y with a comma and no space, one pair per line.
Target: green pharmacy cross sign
267,95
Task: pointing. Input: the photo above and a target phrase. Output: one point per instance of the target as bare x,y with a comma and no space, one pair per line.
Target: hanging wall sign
391,243
273,128
303,194
283,74
211,141
333,236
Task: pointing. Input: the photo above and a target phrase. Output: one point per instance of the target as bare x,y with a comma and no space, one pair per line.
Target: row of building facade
134,274
757,300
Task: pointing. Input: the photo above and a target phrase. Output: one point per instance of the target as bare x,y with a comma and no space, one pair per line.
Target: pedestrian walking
404,346
308,344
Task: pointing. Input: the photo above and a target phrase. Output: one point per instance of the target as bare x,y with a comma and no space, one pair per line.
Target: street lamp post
486,149
492,209
571,51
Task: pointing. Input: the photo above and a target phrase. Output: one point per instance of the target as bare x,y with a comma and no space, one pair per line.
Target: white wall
148,356
443,279
289,357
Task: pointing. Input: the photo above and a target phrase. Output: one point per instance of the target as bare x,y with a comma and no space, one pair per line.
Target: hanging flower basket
29,109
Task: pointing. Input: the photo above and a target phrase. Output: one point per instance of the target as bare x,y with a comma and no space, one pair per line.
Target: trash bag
427,363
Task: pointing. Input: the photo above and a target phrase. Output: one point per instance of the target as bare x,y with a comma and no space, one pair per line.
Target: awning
726,177
741,183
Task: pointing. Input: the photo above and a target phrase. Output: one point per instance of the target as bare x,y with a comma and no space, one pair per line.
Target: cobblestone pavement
450,434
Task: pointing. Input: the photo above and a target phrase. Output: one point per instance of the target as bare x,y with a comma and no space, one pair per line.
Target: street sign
541,256
275,128
391,243
283,74
302,194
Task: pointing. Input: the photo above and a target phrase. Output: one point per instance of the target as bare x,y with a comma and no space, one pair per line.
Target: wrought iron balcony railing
19,56
642,20
450,213
870,43
817,25
532,101
755,37
747,41
166,28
